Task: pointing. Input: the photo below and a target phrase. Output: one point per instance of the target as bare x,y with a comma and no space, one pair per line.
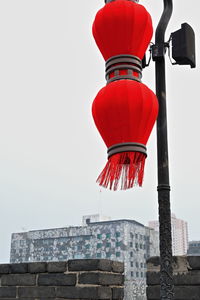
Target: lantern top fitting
107,1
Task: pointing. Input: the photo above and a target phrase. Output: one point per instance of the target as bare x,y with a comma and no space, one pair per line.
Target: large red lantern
122,27
125,110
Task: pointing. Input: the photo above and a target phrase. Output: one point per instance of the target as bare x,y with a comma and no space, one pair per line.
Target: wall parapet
74,279
186,276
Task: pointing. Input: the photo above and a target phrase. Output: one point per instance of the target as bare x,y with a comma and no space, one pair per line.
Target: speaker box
183,46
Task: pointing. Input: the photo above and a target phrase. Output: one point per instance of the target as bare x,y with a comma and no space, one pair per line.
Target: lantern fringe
123,171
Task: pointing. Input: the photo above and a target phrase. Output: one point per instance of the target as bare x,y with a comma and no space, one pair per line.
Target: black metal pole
166,272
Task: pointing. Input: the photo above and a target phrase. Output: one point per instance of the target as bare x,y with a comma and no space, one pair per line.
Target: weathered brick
37,267
4,268
101,278
181,292
25,292
153,292
117,267
153,278
7,292
84,292
191,278
90,265
56,267
18,280
153,264
56,279
18,268
187,293
194,262
117,293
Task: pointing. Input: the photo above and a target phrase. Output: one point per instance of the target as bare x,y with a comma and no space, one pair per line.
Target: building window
99,236
108,254
141,265
136,236
131,244
132,274
108,245
118,254
136,245
117,234
108,235
87,256
98,255
118,244
131,235
99,245
137,264
79,248
137,274
131,254
141,274
140,246
87,246
131,263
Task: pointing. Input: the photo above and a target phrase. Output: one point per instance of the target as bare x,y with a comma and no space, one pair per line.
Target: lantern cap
107,1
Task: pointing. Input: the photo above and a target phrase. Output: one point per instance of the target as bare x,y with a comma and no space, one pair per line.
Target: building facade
194,248
123,240
179,235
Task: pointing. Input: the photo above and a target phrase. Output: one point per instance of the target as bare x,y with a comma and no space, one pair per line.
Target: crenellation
40,281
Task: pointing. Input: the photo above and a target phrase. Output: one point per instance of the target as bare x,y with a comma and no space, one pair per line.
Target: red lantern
122,27
125,110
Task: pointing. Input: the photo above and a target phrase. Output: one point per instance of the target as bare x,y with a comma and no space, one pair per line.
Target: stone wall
186,271
74,279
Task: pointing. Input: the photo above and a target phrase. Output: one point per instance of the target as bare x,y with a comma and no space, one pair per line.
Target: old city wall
74,279
186,278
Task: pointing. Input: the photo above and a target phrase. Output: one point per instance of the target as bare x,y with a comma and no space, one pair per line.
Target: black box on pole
183,46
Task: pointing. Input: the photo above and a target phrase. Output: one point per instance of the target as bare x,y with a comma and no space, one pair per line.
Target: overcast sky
50,150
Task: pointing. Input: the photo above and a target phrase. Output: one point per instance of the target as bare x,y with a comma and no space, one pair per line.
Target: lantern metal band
131,63
127,147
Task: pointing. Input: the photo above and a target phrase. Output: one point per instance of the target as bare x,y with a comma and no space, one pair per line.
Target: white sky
50,150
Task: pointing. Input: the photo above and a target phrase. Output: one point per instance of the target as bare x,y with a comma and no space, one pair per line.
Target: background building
194,248
123,240
179,234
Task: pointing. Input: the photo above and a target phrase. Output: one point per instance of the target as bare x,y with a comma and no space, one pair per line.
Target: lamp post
158,53
118,110
183,52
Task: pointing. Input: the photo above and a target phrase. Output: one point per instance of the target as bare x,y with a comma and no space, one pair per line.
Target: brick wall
74,279
186,271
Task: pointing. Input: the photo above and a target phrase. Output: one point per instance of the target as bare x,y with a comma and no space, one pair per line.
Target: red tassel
124,169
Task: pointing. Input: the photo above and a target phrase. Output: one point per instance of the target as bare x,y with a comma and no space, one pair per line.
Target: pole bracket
159,50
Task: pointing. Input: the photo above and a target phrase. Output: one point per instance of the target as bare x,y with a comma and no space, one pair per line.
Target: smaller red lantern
124,112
